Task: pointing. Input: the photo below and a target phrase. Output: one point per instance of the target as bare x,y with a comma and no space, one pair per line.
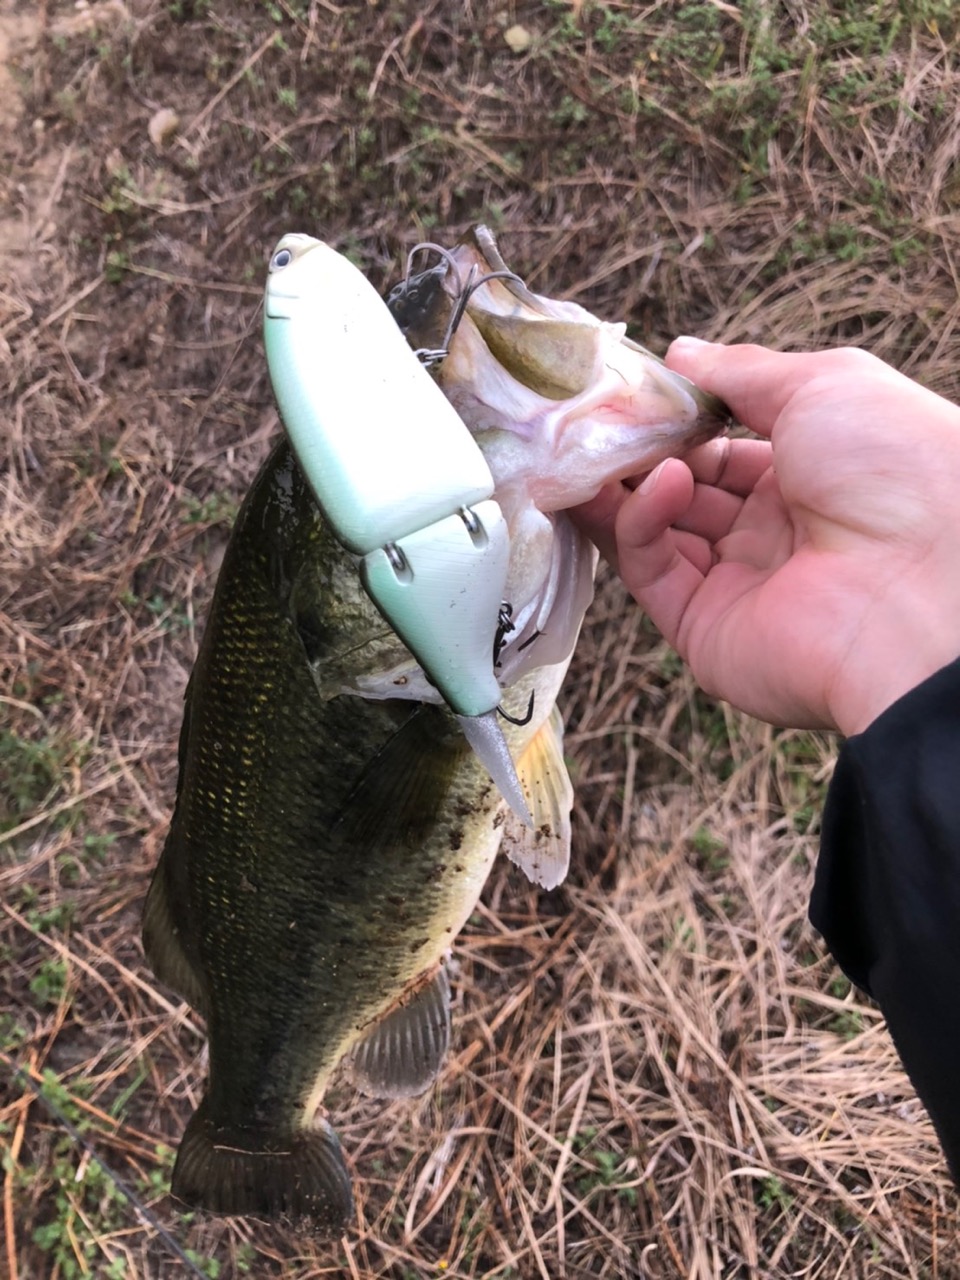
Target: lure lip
485,735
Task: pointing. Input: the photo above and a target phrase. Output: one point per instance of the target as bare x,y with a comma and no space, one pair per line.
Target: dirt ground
656,1070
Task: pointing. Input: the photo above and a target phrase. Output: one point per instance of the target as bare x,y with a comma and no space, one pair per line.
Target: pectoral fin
163,942
405,1050
543,850
400,792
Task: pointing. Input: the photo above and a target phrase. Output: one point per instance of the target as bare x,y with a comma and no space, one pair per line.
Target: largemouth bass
333,830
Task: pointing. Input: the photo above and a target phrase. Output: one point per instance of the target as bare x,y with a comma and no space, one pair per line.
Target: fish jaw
634,416
560,401
631,413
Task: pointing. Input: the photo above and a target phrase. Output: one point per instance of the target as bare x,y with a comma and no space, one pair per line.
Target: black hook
516,719
433,355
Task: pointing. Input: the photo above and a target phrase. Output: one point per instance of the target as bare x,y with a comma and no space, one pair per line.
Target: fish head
422,307
560,403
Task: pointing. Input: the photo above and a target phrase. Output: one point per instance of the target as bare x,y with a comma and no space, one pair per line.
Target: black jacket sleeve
887,891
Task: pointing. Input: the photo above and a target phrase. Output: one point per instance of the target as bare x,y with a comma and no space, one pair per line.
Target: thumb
755,382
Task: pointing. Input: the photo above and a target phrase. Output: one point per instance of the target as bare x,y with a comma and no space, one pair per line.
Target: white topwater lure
398,476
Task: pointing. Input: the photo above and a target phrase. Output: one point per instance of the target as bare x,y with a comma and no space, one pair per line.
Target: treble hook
504,627
430,356
445,254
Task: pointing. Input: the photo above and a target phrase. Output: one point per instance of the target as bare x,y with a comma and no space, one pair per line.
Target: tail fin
305,1184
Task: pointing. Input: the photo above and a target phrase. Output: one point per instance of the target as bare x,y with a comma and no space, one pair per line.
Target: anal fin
302,1181
404,1052
543,850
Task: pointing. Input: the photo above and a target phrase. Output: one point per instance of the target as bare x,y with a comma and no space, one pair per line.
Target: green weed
50,981
571,111
117,265
608,1168
616,26
33,770
712,850
287,98
692,38
216,508
772,1194
169,616
51,919
123,193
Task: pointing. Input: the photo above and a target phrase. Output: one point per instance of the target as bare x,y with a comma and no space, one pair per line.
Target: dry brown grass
657,1071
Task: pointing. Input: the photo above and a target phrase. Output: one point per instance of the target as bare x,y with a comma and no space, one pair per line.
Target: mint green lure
398,476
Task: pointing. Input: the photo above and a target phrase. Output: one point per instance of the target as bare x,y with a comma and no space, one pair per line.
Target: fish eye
282,258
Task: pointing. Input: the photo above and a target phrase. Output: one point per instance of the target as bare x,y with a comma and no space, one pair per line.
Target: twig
8,1218
234,80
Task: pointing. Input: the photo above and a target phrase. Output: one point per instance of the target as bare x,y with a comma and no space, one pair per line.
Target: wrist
889,673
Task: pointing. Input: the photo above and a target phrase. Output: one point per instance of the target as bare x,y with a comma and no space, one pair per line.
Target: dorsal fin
404,1051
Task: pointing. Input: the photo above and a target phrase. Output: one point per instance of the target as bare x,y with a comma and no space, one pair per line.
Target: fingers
733,465
726,472
711,513
653,564
708,517
699,551
758,384
597,518
666,494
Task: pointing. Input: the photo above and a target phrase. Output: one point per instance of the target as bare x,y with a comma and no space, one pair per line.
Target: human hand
810,578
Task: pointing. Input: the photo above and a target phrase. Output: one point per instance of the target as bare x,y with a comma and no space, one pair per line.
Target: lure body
398,476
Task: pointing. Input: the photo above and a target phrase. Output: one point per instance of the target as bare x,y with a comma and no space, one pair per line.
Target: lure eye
282,258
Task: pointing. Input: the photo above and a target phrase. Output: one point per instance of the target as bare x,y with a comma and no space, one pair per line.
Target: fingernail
687,343
650,483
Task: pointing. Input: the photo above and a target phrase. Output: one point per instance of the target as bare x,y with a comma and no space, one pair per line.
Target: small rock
163,125
87,18
518,38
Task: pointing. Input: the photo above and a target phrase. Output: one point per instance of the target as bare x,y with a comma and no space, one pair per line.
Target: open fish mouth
559,400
